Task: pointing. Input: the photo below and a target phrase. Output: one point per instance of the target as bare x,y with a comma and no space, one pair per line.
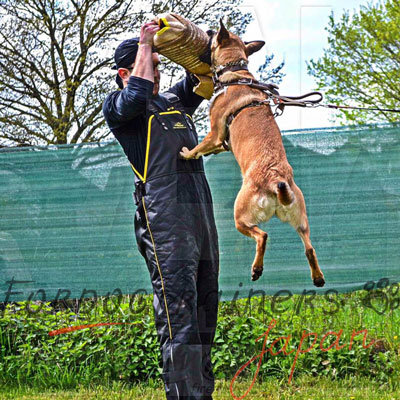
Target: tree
55,59
50,64
361,66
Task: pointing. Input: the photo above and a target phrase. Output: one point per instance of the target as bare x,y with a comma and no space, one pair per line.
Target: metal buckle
215,78
276,101
277,109
245,81
139,192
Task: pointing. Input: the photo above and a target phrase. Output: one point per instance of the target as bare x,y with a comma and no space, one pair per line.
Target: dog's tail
284,193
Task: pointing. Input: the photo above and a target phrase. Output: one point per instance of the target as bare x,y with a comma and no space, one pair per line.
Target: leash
360,108
283,101
298,101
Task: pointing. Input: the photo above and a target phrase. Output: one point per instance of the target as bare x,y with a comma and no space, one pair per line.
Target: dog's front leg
211,143
220,149
207,146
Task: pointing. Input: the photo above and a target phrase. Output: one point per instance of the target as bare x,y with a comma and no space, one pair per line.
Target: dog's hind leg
245,224
303,229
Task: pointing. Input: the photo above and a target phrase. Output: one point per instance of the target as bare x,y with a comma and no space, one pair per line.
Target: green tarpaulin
66,218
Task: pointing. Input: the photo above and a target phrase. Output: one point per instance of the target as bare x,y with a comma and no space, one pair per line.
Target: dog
268,187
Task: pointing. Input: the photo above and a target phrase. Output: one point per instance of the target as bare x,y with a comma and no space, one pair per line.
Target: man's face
127,72
156,62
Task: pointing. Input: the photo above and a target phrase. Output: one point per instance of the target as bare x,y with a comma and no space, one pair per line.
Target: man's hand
144,67
147,32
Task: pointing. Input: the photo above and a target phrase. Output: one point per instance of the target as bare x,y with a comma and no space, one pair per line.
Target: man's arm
127,103
144,67
184,90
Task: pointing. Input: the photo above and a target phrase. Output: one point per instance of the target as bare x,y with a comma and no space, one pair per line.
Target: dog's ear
223,33
253,46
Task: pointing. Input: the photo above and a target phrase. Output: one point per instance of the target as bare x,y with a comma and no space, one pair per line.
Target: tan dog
268,187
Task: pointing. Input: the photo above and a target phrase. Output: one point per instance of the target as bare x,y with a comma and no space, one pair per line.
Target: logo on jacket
179,125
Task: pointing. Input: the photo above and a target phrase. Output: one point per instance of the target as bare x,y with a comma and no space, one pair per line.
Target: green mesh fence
66,218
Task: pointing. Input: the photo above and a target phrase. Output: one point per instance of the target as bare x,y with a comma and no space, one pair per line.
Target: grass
306,388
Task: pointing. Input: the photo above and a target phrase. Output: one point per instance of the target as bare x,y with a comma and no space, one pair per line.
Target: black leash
360,108
299,101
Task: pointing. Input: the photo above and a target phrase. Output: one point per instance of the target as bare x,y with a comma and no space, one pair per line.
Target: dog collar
229,67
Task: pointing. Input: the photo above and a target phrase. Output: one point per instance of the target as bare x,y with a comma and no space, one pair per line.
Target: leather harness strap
238,65
232,116
269,88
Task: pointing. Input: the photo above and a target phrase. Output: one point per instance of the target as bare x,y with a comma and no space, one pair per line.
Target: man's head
125,56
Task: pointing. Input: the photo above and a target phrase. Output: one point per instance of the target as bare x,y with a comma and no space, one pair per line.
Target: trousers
176,234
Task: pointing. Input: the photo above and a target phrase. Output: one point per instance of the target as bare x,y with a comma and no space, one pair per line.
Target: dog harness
270,89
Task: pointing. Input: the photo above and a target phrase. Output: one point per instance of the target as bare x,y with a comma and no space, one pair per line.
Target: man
174,222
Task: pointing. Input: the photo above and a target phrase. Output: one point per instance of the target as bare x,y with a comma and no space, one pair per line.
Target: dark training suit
174,226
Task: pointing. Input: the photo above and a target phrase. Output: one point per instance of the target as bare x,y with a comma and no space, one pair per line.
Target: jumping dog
268,186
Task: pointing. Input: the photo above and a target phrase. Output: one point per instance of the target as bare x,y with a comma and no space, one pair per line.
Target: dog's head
227,47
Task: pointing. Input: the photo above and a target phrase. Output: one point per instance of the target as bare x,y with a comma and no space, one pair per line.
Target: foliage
52,66
267,73
29,354
361,65
54,74
129,353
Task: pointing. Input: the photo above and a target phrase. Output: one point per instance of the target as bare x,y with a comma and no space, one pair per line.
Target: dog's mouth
206,56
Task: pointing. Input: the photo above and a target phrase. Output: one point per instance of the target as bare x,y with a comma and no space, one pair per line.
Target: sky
294,31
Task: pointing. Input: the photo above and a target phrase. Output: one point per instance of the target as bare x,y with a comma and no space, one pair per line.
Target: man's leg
207,283
181,348
207,310
174,280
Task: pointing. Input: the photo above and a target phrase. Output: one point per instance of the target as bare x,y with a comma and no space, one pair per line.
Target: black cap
125,53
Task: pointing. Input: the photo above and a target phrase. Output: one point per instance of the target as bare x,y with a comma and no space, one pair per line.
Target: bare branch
51,58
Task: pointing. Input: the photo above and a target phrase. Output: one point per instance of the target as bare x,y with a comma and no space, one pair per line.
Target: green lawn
303,389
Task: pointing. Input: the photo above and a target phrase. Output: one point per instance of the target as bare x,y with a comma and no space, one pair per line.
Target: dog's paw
184,153
319,282
256,273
